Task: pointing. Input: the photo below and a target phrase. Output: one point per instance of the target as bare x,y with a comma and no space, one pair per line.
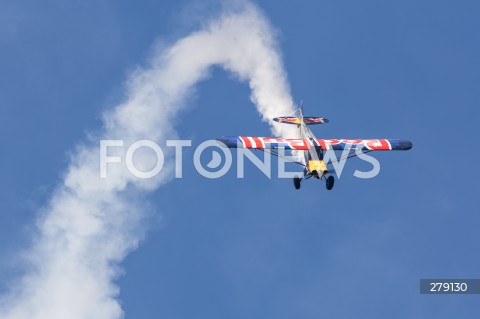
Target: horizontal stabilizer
309,120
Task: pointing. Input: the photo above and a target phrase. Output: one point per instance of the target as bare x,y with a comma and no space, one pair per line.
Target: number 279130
448,287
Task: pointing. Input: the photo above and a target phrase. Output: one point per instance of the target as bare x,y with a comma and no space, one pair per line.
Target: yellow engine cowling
317,168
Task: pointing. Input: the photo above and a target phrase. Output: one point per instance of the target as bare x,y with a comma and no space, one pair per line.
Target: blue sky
230,248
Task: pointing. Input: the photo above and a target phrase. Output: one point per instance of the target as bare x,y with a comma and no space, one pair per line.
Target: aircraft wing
255,142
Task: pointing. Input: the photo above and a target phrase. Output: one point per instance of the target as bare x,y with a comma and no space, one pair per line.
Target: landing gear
296,182
329,182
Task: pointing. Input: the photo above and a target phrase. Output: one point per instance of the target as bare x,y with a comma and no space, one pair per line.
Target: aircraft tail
308,120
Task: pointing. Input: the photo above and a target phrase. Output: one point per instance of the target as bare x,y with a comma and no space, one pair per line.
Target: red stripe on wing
246,141
258,143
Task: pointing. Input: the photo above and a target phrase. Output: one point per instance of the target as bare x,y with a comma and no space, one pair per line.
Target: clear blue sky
257,248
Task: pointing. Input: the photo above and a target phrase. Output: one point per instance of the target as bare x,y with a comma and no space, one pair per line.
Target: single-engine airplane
313,148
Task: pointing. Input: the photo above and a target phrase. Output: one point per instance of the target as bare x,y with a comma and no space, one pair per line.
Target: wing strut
275,153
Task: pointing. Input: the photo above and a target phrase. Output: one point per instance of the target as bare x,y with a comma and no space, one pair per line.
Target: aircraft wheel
330,182
296,182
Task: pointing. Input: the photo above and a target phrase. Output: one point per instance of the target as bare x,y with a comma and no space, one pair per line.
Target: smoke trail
90,224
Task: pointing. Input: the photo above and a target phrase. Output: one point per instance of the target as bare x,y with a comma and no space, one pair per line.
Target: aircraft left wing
255,142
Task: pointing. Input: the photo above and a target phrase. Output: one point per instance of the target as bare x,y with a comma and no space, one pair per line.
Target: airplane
313,148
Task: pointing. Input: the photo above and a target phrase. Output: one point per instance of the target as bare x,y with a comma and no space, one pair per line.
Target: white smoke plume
90,224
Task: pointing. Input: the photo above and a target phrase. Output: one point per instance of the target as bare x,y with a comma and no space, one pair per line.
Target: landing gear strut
329,182
296,182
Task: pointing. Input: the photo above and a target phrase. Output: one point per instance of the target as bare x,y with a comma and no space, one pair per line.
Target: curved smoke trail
90,223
